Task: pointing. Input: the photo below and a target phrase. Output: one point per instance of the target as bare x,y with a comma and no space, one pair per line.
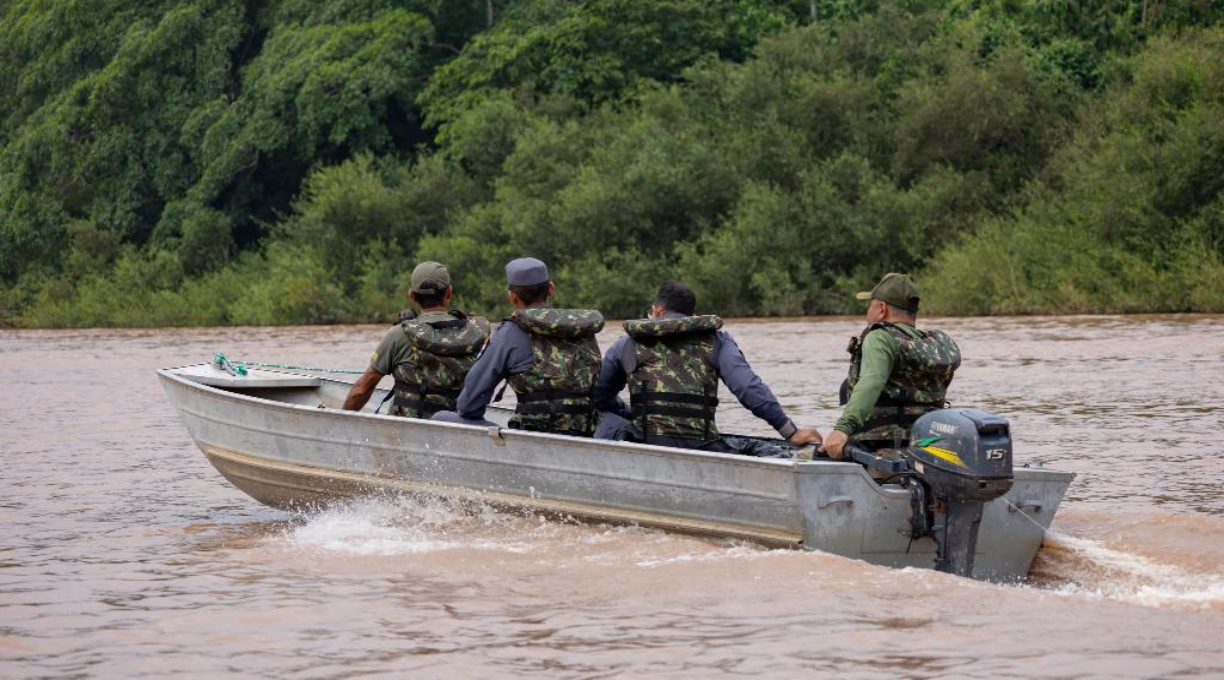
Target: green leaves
596,51
212,161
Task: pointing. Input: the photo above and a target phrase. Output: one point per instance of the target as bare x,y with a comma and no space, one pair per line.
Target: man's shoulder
883,336
395,336
507,329
391,349
724,339
507,336
621,343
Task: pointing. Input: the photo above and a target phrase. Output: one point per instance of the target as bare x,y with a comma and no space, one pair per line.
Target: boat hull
278,446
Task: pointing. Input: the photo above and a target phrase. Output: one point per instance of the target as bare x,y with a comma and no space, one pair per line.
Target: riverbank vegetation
206,162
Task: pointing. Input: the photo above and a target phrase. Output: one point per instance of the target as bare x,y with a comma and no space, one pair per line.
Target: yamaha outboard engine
958,460
962,459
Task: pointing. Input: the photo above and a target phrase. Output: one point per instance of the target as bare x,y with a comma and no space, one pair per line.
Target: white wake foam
717,552
408,525
1103,572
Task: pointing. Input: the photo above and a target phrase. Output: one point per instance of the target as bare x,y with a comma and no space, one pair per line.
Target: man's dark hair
900,311
430,297
677,297
530,295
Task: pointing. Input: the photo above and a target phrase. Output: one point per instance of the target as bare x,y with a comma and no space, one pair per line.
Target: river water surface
123,553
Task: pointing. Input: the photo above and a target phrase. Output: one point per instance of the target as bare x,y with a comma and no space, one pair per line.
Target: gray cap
430,277
526,271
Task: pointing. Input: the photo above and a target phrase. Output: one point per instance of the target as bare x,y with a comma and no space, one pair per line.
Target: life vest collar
649,329
459,335
559,323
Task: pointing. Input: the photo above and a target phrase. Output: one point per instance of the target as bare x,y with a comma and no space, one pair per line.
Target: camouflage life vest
555,394
440,354
918,384
674,389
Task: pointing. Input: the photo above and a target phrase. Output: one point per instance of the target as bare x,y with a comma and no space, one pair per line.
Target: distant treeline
206,162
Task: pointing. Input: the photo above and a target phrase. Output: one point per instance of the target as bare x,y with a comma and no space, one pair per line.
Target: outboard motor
958,460
962,459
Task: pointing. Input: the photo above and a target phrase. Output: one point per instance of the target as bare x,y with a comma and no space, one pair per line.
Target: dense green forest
208,162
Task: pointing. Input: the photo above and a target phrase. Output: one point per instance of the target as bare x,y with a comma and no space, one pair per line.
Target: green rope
221,362
239,366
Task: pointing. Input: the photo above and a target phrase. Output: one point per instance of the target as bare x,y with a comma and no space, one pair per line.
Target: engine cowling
961,459
962,454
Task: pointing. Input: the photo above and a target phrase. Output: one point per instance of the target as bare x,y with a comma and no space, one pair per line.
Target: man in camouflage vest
897,372
672,363
549,356
429,354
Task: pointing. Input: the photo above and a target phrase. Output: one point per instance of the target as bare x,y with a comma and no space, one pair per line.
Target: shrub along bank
214,162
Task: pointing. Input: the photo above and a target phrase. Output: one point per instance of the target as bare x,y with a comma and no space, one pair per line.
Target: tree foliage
282,161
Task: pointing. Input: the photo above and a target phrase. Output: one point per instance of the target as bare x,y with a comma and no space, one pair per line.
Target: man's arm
508,353
613,375
362,389
879,354
382,362
754,394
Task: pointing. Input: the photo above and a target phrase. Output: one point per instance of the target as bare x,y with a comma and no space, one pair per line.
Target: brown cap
430,277
895,289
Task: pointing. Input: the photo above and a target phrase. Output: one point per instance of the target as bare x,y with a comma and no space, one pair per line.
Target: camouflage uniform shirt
881,352
395,346
733,369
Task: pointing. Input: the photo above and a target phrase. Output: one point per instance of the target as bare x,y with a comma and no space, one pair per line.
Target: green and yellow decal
946,455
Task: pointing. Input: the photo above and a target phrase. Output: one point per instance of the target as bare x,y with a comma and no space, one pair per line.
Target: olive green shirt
880,354
393,350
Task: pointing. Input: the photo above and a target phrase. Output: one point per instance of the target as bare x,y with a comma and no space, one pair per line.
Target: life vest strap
553,408
678,411
899,418
678,398
418,388
551,395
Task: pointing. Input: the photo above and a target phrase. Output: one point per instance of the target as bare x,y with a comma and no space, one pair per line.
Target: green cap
895,289
430,277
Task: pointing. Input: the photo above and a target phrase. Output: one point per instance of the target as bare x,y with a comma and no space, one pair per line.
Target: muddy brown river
123,553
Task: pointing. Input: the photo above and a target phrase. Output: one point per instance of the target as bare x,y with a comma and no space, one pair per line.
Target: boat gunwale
804,467
659,451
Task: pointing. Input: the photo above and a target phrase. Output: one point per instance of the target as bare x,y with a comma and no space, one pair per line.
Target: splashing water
407,525
411,525
416,525
1079,566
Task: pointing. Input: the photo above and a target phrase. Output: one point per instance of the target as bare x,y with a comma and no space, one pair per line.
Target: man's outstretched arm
755,395
360,393
879,354
613,375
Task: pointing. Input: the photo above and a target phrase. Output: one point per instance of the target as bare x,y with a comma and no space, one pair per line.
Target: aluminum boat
282,438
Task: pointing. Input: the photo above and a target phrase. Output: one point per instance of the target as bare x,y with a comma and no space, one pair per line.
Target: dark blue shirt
733,369
508,353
